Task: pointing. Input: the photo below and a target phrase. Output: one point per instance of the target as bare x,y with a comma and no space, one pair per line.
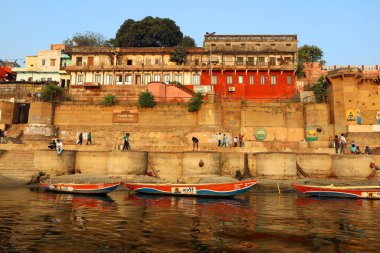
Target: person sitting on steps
52,145
59,147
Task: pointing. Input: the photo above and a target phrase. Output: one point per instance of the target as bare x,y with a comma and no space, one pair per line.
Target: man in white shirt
59,146
342,142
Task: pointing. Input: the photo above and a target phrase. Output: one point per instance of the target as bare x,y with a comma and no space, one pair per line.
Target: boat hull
195,190
340,192
89,189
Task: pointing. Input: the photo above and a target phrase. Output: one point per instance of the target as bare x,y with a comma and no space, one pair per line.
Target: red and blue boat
195,190
92,189
363,192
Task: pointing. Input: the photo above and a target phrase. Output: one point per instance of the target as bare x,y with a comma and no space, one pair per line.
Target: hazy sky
346,30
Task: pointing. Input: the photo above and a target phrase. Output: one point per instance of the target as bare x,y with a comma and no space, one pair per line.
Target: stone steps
17,164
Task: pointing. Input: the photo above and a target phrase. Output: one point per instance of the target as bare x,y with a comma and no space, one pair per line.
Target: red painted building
250,66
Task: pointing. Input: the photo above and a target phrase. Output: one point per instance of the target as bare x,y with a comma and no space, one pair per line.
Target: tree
108,100
51,92
195,102
320,89
179,55
187,41
149,32
310,53
146,99
88,39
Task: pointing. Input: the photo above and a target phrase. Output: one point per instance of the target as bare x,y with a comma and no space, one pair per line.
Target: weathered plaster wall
6,112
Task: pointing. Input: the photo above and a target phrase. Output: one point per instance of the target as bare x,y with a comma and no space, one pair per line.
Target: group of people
238,141
3,136
341,142
84,137
57,145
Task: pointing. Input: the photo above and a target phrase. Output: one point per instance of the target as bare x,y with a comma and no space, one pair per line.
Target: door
90,61
138,79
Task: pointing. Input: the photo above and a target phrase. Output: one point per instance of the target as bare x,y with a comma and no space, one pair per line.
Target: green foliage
320,89
195,102
243,102
148,32
179,55
187,41
51,92
146,99
310,53
300,70
88,39
108,100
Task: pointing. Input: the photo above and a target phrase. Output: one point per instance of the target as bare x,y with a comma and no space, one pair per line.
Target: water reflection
47,222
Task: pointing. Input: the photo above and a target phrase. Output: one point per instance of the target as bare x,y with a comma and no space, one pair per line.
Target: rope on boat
301,171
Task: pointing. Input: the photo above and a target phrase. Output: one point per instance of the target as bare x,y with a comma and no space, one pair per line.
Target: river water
254,222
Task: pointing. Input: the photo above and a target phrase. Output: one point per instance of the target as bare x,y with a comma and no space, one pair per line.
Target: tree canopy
87,39
310,53
149,32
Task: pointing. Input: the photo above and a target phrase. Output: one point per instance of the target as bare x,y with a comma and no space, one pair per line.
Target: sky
346,30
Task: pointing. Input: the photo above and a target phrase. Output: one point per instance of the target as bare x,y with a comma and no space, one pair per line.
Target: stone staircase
17,164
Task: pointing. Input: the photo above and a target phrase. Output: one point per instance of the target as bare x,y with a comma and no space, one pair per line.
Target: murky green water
254,222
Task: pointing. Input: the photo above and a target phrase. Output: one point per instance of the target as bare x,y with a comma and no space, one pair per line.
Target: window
79,79
52,62
98,78
272,61
167,78
79,61
128,80
129,62
119,61
242,44
261,61
288,45
273,80
251,80
196,61
147,79
43,79
178,78
251,61
240,79
229,79
239,60
213,45
119,79
289,79
262,79
157,61
157,78
196,79
228,44
43,62
214,80
148,62
49,79
108,79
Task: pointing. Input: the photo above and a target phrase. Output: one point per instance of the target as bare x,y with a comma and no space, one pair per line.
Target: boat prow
367,192
198,190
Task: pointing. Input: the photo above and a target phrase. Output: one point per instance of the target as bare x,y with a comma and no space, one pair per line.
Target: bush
51,92
146,99
195,102
320,89
108,100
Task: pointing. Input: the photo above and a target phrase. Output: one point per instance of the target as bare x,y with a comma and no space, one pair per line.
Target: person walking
1,136
336,144
59,146
195,143
80,139
235,141
220,139
343,143
89,138
224,141
126,142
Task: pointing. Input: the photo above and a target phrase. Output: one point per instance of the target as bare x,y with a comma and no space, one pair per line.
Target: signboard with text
125,116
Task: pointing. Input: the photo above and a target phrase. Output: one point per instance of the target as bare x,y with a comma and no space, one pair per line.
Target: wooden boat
197,190
95,189
366,192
